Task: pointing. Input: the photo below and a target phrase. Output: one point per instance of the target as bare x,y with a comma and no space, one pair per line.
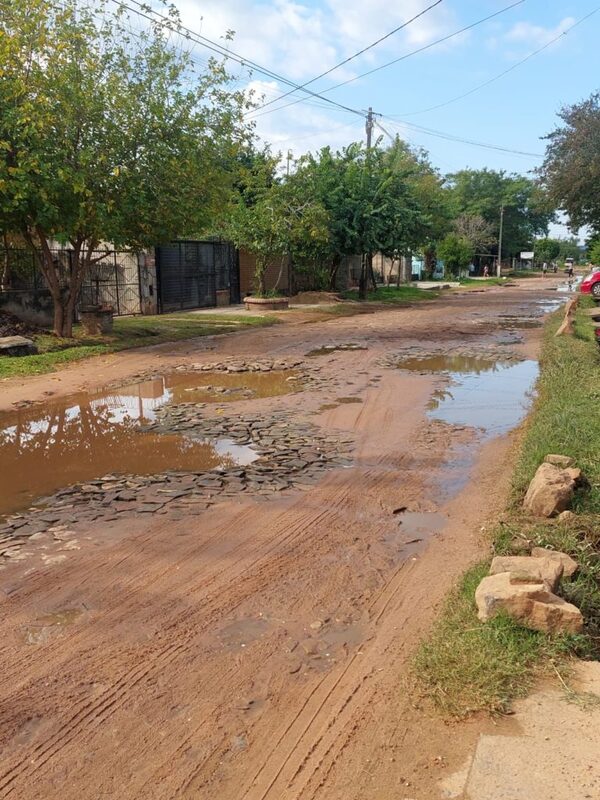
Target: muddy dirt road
243,632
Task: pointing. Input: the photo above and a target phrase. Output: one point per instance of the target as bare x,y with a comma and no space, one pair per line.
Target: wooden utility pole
367,259
499,268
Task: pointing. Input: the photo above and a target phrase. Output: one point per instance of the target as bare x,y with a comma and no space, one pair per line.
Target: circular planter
96,320
266,303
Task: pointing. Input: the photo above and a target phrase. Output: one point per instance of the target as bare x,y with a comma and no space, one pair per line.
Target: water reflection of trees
39,454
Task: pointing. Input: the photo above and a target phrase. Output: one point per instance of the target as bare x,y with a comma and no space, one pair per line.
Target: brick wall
247,267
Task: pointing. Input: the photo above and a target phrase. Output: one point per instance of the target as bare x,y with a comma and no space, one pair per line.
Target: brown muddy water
86,436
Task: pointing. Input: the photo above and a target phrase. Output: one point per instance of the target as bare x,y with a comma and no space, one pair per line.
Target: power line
357,54
144,11
401,58
452,138
506,71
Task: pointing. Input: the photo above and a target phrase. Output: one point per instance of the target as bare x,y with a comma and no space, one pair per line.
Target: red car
591,284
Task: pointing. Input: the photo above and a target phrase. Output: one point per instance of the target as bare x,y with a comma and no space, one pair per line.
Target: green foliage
569,248
468,666
106,137
546,250
482,192
565,417
456,252
594,252
572,165
383,200
273,221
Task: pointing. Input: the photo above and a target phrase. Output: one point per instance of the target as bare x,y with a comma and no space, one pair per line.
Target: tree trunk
429,263
362,283
259,276
333,271
371,271
5,277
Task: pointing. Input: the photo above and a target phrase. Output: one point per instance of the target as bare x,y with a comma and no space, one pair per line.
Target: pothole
47,626
85,436
494,400
450,364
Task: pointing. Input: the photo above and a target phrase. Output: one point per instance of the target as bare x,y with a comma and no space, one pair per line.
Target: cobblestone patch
290,453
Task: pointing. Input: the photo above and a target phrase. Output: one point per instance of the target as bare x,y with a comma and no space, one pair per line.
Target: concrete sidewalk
555,757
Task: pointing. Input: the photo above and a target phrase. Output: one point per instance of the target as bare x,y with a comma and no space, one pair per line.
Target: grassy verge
483,281
128,332
467,666
393,294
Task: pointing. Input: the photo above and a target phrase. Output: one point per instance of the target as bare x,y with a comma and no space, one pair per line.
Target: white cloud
536,35
301,41
303,127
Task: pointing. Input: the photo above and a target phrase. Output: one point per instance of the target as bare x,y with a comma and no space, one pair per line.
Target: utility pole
366,270
369,128
499,268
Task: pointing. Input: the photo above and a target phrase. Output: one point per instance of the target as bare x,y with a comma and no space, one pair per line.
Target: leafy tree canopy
456,252
571,169
106,136
546,250
483,192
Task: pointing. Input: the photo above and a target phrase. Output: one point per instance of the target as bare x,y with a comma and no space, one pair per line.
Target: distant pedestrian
555,267
544,269
570,270
486,271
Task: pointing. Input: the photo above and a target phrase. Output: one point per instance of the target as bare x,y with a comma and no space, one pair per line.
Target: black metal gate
190,273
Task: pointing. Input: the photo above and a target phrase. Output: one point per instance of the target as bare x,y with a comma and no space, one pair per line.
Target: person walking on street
544,269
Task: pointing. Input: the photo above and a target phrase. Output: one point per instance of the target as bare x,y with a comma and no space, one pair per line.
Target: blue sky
301,38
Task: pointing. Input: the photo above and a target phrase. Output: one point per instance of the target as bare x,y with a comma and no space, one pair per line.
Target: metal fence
113,278
190,273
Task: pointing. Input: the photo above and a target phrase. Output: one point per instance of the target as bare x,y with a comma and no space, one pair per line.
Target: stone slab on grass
525,569
17,346
569,565
530,604
551,489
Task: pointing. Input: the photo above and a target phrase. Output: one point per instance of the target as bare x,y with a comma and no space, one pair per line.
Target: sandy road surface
258,651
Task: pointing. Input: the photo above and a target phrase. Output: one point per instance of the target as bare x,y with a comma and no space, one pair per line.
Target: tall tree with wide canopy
106,136
484,192
386,200
571,169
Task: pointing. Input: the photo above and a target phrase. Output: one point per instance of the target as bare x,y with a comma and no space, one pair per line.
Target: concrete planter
96,320
266,303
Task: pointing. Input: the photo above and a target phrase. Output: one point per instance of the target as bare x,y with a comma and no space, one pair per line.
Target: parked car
591,284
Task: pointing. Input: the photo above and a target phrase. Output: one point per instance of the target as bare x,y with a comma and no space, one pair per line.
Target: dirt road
258,650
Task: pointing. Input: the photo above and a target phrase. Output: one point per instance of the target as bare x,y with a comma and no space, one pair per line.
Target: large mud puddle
493,396
210,387
87,436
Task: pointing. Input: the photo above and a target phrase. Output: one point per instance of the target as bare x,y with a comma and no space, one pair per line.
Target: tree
546,250
384,200
475,230
571,168
456,252
105,138
527,212
272,220
569,248
594,253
